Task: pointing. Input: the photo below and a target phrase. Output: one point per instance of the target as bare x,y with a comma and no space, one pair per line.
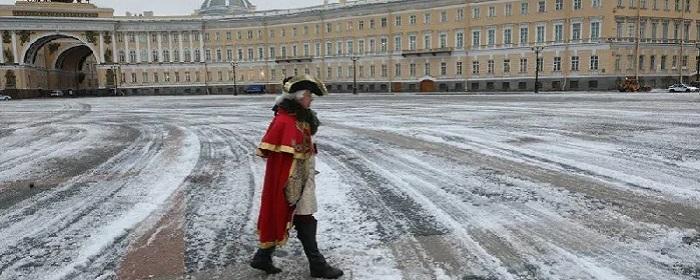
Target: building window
459,68
412,20
492,11
412,69
412,42
558,33
595,30
523,35
574,63
443,16
506,66
577,4
475,67
652,63
133,78
523,65
426,18
460,14
132,56
541,6
476,39
576,31
443,40
558,4
491,66
397,70
641,63
156,78
557,64
491,37
594,62
476,13
426,41
443,68
662,63
509,9
397,21
523,8
218,55
426,69
144,77
507,36
459,40
540,34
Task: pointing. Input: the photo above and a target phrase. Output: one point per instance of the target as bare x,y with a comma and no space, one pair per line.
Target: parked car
254,89
5,98
682,88
56,93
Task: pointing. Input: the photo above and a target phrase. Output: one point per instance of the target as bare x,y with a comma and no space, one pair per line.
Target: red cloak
285,140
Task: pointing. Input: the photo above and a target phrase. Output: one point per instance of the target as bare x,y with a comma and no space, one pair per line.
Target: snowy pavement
551,186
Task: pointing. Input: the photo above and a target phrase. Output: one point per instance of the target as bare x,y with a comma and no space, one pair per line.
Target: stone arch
29,54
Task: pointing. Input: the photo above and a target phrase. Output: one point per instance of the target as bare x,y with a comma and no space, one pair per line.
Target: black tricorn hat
305,82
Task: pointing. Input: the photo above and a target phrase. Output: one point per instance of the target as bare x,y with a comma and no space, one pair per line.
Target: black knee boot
263,260
306,232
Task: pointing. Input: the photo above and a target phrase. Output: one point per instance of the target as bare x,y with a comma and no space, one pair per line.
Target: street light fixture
234,64
354,74
537,50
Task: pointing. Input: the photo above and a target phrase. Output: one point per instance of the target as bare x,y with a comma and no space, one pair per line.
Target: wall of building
460,45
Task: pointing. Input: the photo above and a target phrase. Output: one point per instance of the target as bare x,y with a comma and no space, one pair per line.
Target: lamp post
354,74
537,50
234,64
115,69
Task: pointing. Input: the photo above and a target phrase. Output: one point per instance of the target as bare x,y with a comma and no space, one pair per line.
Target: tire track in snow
520,264
214,223
419,241
93,200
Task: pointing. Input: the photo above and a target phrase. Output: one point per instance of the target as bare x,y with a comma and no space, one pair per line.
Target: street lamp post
354,74
115,69
234,64
537,50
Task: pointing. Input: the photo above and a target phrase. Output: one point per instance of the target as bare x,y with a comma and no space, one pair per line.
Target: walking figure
289,191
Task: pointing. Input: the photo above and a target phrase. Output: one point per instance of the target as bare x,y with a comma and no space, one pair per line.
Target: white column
191,41
170,47
2,49
160,46
14,47
138,47
102,48
115,57
149,52
126,47
201,47
182,53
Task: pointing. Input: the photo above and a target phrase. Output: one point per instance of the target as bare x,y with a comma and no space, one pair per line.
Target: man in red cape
288,196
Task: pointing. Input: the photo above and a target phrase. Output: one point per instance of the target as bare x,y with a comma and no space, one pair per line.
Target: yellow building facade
386,46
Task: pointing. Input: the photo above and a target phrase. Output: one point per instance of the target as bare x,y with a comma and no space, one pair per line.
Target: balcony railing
290,59
433,52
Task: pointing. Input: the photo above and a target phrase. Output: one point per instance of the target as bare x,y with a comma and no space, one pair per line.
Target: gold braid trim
280,149
276,243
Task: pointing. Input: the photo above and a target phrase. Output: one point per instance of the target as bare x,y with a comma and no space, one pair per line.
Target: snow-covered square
551,186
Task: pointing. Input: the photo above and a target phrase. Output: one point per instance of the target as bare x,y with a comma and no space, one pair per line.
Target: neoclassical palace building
385,45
